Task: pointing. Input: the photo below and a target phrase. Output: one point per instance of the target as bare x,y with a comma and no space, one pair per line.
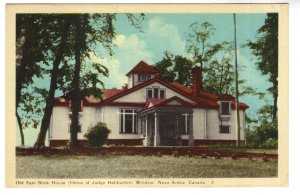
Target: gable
174,103
140,95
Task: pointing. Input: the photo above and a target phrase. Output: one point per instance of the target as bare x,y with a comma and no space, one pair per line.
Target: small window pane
128,123
225,108
155,93
128,111
224,128
162,94
149,93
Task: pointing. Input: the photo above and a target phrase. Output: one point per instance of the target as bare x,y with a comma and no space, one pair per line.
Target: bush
270,143
97,134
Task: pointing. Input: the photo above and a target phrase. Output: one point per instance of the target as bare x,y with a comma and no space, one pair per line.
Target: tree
182,68
64,24
32,41
198,43
218,77
175,68
266,50
77,37
75,92
165,66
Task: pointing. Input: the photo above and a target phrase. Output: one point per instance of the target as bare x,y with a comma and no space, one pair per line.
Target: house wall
140,95
61,121
213,126
198,123
136,80
112,119
130,83
90,116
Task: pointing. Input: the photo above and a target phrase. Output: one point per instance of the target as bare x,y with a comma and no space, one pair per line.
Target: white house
150,111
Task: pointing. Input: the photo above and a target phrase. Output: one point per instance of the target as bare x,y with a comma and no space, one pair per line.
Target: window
144,77
156,92
128,121
224,129
225,108
184,123
78,130
149,93
162,94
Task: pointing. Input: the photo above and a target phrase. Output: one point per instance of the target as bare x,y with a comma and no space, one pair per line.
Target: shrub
270,143
97,134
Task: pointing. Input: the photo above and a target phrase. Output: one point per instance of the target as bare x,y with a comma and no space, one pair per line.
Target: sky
166,32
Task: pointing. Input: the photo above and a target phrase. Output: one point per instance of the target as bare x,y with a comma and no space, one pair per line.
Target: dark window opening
162,94
224,129
225,108
155,91
78,129
149,93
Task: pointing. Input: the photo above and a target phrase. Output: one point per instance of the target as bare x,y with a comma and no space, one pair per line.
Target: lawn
114,166
250,150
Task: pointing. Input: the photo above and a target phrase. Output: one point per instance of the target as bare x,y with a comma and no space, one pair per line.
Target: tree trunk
274,111
20,78
75,95
40,142
20,129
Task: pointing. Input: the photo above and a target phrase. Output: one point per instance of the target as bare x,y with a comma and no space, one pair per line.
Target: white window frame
152,92
229,108
134,129
144,77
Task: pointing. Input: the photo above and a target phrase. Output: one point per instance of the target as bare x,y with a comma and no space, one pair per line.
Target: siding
140,94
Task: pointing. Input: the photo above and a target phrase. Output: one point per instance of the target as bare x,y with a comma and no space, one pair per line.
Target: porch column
156,130
147,138
191,133
178,133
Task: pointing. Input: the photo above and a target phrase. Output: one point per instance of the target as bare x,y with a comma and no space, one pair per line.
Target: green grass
231,149
140,167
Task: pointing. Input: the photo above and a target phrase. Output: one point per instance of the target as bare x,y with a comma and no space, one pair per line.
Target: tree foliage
265,48
166,66
198,42
33,41
175,68
50,45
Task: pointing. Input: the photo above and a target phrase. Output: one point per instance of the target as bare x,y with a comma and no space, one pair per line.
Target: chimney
197,80
125,87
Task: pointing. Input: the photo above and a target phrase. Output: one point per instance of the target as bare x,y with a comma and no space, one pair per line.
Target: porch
165,126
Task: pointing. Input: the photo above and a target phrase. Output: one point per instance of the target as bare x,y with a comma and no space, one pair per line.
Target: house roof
201,102
166,102
205,99
142,68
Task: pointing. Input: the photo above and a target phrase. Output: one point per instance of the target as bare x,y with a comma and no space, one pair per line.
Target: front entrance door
168,131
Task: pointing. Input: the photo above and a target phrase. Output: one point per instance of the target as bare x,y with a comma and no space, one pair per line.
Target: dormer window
144,77
156,92
225,108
